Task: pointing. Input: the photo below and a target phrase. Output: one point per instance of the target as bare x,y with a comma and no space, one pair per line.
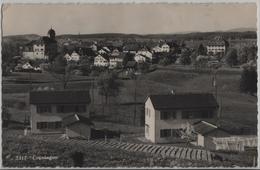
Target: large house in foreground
49,108
166,114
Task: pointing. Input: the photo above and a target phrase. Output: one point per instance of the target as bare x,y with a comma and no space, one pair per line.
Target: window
41,125
49,125
147,129
206,114
166,115
164,133
80,108
43,108
71,108
187,115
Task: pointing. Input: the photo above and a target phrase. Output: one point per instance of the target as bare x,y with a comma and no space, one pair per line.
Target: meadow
237,108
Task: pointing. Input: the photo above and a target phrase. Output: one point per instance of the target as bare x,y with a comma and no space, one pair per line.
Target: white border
141,1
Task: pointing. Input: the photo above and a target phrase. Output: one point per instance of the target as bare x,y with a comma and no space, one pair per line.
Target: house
75,56
101,51
206,132
101,61
165,48
77,126
131,48
93,47
156,49
36,52
145,52
27,66
48,108
166,114
217,46
115,53
115,62
139,58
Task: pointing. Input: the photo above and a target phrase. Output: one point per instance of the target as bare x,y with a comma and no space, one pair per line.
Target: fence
235,143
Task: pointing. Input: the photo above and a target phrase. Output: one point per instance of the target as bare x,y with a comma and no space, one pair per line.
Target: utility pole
135,98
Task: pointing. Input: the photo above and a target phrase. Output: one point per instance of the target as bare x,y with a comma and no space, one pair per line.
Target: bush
248,81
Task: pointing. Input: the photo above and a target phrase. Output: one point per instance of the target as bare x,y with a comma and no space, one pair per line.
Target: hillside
178,36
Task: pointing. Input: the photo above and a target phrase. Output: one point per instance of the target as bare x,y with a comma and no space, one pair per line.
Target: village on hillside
75,91
129,100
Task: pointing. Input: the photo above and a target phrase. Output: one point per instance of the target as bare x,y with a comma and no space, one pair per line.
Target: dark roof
75,118
130,64
131,47
203,127
184,101
59,97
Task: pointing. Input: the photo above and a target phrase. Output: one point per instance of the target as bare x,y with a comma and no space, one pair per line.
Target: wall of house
200,140
150,121
178,123
78,130
208,143
49,117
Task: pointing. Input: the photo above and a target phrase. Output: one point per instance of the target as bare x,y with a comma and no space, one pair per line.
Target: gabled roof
204,128
75,118
183,101
59,97
106,57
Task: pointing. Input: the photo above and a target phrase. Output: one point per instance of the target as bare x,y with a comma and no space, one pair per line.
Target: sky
126,18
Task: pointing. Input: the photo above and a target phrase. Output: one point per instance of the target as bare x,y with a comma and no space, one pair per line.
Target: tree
108,85
202,50
6,116
231,57
248,80
60,70
185,57
128,57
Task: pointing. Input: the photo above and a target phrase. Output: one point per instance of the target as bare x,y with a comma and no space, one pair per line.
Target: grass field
19,151
236,107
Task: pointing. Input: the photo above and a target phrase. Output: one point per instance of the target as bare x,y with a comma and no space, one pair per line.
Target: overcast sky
126,18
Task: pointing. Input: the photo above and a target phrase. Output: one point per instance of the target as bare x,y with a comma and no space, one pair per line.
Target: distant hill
242,30
233,34
21,38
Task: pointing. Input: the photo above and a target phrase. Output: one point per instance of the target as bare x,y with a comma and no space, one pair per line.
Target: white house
167,115
75,56
157,49
101,61
115,62
48,108
139,58
38,52
217,46
27,66
101,51
146,53
67,57
115,53
162,48
165,48
93,47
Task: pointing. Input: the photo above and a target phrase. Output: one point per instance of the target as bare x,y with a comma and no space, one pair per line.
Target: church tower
51,34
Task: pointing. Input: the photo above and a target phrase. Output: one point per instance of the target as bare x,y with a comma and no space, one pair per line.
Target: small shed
206,132
77,126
